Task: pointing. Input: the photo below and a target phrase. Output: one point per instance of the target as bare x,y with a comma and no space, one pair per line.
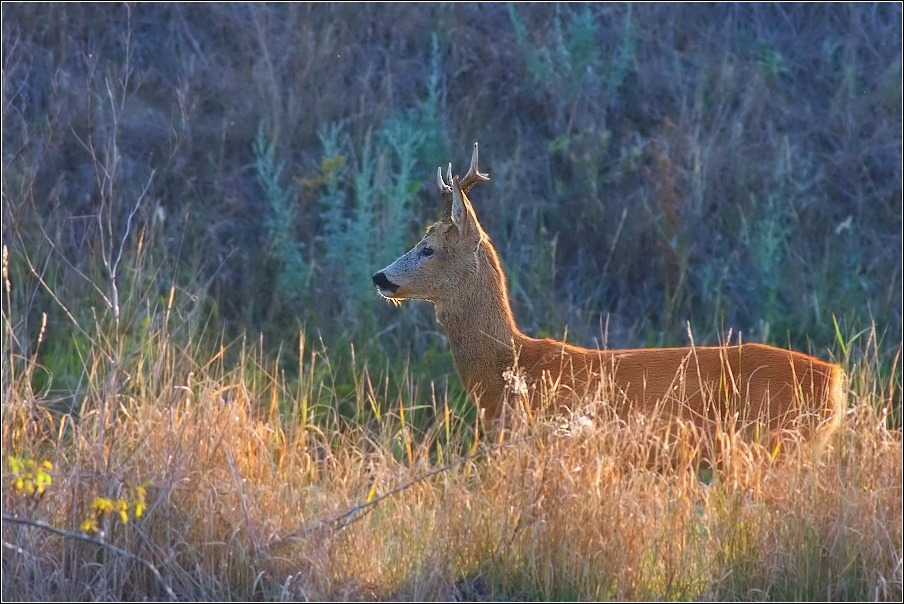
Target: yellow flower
89,525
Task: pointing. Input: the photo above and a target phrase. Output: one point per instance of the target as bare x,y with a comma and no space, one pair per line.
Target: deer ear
461,213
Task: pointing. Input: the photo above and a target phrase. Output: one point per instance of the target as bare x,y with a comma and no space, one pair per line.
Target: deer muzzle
383,284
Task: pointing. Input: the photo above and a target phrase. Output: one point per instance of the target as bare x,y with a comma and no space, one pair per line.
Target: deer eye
427,252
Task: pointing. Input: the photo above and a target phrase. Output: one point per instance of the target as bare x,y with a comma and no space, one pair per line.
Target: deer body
456,267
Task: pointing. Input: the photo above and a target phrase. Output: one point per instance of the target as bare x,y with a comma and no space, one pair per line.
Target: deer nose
382,282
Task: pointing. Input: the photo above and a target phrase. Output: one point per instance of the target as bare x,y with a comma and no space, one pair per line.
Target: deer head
446,257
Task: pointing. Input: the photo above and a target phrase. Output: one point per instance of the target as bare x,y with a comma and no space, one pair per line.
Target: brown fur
496,362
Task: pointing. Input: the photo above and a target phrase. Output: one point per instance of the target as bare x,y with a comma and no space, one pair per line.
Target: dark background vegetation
245,168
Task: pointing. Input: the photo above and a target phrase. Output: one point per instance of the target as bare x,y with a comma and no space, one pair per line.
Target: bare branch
96,541
358,511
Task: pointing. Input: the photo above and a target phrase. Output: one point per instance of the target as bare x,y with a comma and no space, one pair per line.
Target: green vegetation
204,399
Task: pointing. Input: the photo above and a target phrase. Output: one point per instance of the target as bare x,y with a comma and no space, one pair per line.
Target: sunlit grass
257,487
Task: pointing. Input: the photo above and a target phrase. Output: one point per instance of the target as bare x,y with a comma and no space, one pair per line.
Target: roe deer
456,267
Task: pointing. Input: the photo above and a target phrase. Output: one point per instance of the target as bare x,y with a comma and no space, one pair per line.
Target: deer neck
480,325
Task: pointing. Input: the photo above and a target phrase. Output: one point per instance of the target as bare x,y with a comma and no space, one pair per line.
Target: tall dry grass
247,497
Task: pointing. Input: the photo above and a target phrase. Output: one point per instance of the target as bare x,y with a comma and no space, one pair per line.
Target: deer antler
444,189
467,183
473,176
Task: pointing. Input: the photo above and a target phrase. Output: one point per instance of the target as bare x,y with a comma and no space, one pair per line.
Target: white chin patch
389,296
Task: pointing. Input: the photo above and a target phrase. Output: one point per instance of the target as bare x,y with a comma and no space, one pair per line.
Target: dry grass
248,498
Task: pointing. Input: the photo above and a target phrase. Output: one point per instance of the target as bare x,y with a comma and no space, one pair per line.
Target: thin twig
123,241
96,541
357,512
